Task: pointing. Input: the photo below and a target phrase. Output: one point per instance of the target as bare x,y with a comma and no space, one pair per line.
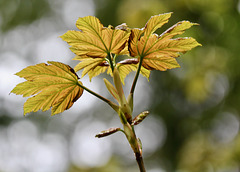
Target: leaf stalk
110,60
126,109
136,76
113,105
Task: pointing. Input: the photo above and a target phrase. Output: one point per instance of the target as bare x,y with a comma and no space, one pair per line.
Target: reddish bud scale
107,132
138,119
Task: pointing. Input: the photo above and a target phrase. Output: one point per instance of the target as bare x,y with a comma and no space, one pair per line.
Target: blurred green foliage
19,12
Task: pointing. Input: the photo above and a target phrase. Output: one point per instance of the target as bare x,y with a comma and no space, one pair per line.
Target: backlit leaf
134,39
91,66
84,45
96,66
94,43
155,22
160,63
53,85
177,29
159,52
97,71
94,40
129,65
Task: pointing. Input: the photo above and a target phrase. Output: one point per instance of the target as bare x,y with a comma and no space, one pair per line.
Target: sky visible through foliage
193,124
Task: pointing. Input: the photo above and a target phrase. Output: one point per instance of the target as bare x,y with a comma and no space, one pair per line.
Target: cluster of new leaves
97,48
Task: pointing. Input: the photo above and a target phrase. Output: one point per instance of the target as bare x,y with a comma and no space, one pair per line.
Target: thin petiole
110,60
136,76
113,105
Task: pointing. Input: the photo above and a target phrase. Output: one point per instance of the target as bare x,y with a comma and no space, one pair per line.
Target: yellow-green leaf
129,65
84,45
155,22
88,64
177,29
97,71
94,40
90,25
170,47
160,63
94,43
91,66
96,66
158,52
53,85
134,38
115,39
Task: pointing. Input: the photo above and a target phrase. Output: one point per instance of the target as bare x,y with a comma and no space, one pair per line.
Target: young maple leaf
93,45
55,85
159,52
92,66
96,66
128,65
94,40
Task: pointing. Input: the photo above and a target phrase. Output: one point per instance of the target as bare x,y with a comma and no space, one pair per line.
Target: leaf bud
107,132
139,118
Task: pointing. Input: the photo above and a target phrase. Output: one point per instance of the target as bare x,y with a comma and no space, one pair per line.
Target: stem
133,141
139,160
110,59
118,86
113,105
125,108
136,76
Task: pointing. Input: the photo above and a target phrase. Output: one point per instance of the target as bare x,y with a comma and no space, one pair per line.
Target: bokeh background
193,124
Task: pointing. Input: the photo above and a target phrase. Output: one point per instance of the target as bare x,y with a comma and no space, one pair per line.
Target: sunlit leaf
97,71
160,63
129,65
89,65
170,47
159,52
134,39
96,66
94,43
53,85
84,45
94,40
177,29
155,22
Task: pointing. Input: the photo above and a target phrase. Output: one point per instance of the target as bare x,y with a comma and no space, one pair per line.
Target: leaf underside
53,85
94,43
159,52
96,66
94,40
129,65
